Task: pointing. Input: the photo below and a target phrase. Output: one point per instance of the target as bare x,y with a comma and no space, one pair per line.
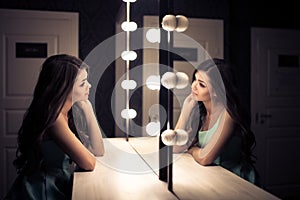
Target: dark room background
97,21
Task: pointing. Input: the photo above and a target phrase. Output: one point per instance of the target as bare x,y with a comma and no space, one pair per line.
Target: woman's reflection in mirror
218,128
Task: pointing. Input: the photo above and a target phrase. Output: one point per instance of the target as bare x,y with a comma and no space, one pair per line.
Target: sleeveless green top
53,182
230,158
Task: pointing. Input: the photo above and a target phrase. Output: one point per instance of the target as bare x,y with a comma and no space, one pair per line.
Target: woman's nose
193,85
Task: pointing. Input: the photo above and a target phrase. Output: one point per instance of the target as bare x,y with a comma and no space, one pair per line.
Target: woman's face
81,86
201,87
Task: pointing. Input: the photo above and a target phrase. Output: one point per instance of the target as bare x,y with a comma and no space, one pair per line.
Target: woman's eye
82,84
202,85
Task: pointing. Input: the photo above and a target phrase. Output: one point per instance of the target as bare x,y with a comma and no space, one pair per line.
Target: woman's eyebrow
201,81
83,80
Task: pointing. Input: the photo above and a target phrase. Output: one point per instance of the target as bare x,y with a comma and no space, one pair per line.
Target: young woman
218,128
48,138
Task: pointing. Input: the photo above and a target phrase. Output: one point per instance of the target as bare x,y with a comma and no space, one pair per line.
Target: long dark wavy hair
223,83
55,83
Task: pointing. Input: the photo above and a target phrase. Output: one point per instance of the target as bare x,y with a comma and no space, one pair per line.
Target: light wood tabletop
129,170
120,174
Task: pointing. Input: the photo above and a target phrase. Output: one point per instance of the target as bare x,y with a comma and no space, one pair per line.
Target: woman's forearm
94,132
97,146
182,121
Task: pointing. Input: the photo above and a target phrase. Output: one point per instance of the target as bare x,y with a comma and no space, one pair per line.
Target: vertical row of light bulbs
153,82
128,55
169,80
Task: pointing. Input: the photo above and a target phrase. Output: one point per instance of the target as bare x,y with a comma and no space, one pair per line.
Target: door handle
261,118
265,115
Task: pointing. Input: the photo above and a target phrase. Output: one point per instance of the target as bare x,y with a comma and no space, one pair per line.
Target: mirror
188,50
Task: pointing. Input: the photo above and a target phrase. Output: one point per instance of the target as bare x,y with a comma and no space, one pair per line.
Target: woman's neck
213,110
213,107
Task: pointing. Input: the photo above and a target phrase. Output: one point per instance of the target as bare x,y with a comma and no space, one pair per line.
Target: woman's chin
194,96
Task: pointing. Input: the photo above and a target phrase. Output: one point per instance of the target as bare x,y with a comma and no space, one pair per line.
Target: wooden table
129,170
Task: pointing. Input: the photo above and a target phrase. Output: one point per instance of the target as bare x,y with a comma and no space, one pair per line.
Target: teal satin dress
54,182
230,157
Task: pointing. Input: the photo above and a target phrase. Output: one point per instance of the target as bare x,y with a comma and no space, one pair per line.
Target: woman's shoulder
226,116
59,125
60,120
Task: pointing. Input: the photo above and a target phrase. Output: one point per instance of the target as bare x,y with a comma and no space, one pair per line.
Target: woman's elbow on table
204,161
88,165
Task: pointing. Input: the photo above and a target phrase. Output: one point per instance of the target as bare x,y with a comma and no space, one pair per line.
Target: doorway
275,107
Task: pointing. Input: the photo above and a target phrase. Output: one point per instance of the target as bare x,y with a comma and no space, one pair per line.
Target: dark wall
239,16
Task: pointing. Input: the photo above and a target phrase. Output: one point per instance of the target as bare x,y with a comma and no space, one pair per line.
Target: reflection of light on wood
121,157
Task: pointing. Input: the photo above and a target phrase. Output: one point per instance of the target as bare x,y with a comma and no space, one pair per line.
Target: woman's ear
214,95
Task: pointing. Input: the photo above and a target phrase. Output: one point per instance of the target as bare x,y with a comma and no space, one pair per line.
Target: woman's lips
194,93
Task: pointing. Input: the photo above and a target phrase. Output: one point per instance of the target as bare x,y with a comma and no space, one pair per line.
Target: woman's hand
189,104
193,151
86,107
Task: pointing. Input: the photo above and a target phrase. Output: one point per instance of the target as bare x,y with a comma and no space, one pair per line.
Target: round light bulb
128,84
153,82
153,128
169,80
129,55
181,137
182,23
128,113
129,26
130,1
168,137
182,80
153,35
169,23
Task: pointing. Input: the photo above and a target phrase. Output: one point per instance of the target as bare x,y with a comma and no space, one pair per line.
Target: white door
27,38
275,108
